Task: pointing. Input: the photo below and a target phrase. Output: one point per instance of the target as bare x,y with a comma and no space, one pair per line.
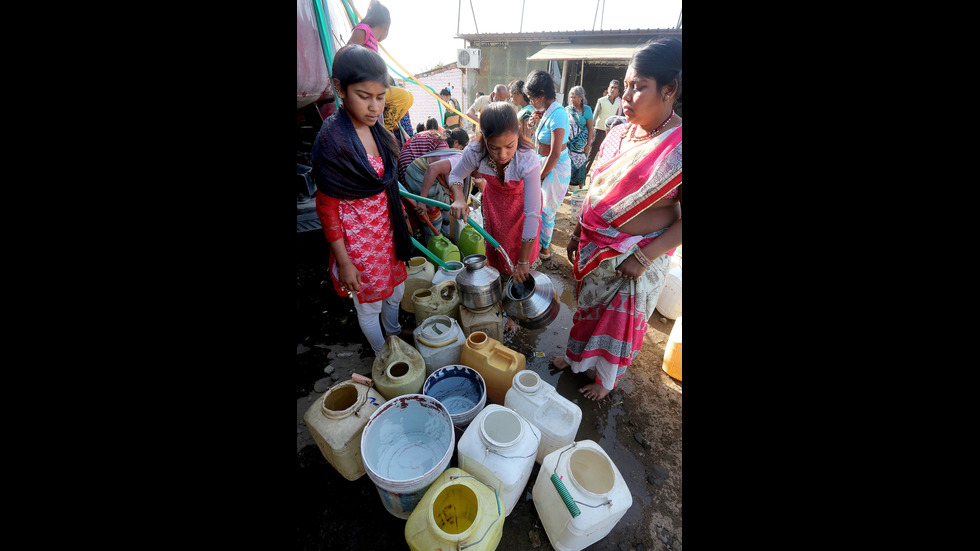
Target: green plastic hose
565,496
444,206
429,254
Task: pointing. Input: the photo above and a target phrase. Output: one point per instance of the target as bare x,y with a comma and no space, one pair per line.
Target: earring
667,98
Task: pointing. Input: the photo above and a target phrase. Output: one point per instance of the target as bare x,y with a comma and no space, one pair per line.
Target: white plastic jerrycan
538,402
579,495
498,447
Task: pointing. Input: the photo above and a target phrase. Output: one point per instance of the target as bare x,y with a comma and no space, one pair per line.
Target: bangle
642,258
522,262
460,184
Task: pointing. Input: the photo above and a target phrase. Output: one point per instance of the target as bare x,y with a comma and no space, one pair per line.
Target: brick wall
425,105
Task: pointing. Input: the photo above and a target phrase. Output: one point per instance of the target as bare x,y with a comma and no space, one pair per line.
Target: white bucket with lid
407,443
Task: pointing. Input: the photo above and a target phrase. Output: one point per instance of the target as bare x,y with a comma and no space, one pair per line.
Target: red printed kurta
365,226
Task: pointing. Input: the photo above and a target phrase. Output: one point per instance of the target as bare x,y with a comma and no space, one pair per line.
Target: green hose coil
565,496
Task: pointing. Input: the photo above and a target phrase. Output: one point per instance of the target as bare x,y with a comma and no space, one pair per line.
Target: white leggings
367,317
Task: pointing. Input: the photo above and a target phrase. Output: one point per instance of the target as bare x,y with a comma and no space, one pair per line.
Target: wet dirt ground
638,424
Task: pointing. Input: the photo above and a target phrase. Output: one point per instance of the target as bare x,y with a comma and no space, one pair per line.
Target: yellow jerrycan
420,274
672,352
457,511
496,363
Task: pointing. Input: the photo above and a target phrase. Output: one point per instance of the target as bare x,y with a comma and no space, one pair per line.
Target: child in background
355,162
371,30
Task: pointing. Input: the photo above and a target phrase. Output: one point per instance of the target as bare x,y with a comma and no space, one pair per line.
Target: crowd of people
526,152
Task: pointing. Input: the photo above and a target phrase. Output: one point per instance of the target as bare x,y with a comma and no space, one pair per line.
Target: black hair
354,63
660,60
431,123
445,92
517,87
377,16
539,83
457,136
498,118
420,127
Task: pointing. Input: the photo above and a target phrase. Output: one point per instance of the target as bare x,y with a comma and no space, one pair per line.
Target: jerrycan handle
435,345
570,503
487,531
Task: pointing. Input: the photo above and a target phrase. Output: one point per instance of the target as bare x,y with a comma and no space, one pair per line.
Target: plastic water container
458,511
676,259
442,247
438,300
443,274
578,197
461,389
672,351
471,242
499,448
669,303
407,443
489,320
439,340
420,274
456,227
495,362
398,369
336,422
557,417
579,495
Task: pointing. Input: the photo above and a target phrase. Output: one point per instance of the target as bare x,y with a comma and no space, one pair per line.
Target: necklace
493,164
633,137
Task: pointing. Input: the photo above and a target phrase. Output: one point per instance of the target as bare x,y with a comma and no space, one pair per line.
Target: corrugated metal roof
551,35
584,51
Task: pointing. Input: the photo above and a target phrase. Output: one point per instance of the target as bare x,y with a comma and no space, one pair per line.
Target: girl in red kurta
355,167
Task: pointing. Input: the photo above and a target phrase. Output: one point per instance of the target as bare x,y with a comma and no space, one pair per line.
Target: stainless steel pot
533,304
479,284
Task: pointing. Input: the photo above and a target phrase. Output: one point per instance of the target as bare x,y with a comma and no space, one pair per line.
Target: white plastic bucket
669,304
407,443
461,389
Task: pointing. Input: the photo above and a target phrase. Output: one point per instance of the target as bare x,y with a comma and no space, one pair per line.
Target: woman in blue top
581,130
550,126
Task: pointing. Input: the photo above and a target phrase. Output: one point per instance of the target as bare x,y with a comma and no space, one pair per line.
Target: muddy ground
638,424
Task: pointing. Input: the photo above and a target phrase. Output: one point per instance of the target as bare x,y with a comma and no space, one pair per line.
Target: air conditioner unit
468,58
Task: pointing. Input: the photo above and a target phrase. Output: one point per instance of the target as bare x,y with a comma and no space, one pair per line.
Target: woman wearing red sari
629,223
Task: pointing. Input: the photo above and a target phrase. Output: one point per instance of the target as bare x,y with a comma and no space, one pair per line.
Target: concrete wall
425,105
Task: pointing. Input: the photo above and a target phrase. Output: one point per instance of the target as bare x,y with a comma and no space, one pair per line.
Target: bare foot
594,391
559,362
510,325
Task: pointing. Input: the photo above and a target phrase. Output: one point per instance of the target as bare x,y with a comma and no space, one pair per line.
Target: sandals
544,256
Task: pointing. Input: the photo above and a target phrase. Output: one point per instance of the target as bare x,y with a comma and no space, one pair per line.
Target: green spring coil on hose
565,496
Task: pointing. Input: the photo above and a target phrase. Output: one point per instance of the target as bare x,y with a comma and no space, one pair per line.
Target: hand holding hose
459,210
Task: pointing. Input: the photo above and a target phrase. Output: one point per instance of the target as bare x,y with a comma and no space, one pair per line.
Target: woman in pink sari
629,223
